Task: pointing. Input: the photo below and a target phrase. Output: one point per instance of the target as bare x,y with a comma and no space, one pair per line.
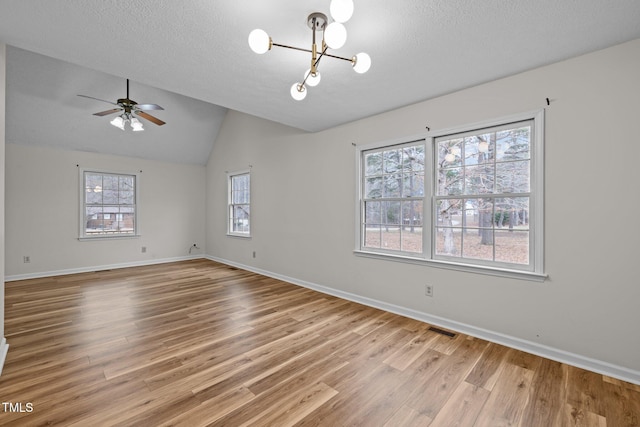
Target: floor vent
442,332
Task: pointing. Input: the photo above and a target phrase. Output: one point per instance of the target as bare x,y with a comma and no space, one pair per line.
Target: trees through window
467,197
108,204
239,209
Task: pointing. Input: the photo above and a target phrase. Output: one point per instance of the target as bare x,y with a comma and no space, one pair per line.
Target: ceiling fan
130,111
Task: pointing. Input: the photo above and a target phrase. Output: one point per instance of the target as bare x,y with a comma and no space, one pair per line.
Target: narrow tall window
239,212
108,205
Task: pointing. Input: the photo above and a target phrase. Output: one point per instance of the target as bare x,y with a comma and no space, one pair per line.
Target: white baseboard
98,268
4,348
598,366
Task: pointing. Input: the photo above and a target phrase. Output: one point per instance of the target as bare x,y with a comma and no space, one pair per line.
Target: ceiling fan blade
106,113
150,118
149,107
98,99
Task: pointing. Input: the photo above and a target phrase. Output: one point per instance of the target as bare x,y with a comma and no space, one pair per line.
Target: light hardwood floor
199,343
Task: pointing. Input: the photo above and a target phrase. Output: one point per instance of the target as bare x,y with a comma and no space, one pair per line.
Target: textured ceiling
420,49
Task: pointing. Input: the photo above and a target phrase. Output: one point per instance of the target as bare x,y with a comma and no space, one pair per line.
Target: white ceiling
193,59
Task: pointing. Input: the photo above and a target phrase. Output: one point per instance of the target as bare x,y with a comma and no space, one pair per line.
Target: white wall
3,56
42,212
303,192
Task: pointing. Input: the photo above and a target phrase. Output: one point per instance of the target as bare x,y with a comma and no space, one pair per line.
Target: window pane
512,177
126,183
241,219
392,185
93,197
449,213
512,246
412,213
392,160
372,237
450,153
93,182
478,179
450,182
471,216
373,164
413,185
413,158
514,144
391,213
391,238
110,197
373,187
448,241
373,214
110,182
127,197
512,212
478,244
485,213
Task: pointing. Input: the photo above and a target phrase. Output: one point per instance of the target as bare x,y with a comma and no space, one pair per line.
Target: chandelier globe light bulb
341,10
298,92
335,35
312,80
362,63
259,41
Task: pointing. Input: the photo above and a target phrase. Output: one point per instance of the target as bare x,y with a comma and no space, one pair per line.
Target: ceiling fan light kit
129,111
334,36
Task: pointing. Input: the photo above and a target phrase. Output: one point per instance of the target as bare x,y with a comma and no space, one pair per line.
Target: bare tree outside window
483,194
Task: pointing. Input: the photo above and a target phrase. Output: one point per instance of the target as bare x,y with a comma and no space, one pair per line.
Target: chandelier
334,36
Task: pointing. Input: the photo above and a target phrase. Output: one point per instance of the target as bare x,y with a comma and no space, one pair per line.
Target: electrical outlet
254,254
428,290
26,259
144,250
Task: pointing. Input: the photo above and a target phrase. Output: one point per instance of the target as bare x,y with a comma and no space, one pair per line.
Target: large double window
108,205
461,198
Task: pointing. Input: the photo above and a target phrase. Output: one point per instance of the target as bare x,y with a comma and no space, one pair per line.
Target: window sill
468,268
241,236
111,237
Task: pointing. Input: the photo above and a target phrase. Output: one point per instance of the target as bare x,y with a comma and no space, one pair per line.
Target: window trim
536,270
82,236
230,231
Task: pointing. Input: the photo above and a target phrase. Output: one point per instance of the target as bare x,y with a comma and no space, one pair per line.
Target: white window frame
533,271
83,235
231,205
401,198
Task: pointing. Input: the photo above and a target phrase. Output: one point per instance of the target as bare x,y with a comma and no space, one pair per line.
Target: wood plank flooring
198,343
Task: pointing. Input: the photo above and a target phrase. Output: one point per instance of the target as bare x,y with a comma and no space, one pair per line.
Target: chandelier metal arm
291,47
310,51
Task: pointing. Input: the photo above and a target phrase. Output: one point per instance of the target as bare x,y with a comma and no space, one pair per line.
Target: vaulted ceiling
193,59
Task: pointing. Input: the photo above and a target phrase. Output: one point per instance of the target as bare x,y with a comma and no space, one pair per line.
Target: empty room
329,213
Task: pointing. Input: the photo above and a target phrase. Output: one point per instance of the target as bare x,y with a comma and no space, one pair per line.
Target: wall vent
442,332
